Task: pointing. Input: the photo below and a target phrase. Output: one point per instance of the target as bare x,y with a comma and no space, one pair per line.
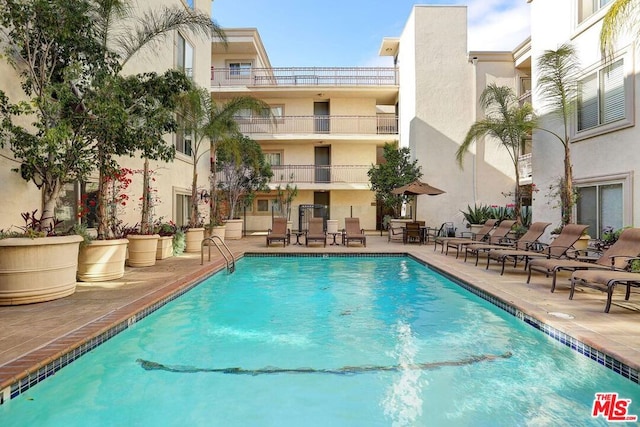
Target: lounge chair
616,257
353,232
499,234
605,281
412,233
316,232
556,249
480,236
525,242
279,232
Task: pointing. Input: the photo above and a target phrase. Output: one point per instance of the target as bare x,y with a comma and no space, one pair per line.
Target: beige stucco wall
438,94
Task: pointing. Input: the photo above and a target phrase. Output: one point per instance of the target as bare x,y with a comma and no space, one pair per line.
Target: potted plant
36,265
166,231
244,171
284,200
476,216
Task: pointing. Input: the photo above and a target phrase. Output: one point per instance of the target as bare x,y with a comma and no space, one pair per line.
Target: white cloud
497,24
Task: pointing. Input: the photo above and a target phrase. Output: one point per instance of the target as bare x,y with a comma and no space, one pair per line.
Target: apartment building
329,128
604,137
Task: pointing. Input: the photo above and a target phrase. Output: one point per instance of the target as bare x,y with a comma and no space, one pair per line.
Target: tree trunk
567,189
51,193
193,215
101,212
145,226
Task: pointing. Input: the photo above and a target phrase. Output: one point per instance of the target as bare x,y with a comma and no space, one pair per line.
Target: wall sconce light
205,196
474,60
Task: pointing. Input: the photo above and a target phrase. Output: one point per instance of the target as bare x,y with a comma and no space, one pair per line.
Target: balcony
306,76
334,125
350,176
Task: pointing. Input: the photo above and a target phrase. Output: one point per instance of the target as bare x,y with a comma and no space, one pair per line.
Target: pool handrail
231,264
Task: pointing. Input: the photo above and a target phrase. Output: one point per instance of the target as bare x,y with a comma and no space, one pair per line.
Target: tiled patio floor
32,335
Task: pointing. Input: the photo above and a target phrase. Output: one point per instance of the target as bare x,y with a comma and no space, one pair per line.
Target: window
78,201
605,99
600,205
183,205
586,8
184,140
273,158
602,97
184,56
240,69
265,206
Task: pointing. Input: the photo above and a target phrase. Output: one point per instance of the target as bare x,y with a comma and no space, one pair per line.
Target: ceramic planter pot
142,250
164,248
193,239
233,229
37,270
102,260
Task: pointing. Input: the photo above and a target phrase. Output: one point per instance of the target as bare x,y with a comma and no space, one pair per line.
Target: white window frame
243,69
269,153
629,93
585,9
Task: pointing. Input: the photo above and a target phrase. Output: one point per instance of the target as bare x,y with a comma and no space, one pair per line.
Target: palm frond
558,78
153,26
622,16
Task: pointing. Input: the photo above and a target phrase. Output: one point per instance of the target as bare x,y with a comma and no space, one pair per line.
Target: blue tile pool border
51,368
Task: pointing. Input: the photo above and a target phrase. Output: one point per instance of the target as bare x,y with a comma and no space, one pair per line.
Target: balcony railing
339,125
316,174
308,76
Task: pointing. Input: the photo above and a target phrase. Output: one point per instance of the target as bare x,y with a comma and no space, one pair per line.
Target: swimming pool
325,341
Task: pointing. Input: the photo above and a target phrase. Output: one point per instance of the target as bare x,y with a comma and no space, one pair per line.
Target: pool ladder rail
226,253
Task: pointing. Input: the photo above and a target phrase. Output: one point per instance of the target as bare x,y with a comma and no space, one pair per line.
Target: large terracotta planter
164,248
102,260
193,239
142,250
37,270
233,229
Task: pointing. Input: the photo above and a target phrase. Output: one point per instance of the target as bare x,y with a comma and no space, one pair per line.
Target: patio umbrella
416,188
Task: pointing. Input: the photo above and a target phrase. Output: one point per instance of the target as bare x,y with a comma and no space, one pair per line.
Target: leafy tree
622,16
244,168
397,170
558,84
69,54
506,121
222,124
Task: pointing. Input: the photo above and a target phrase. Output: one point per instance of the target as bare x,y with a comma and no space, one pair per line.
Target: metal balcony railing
317,174
340,125
305,76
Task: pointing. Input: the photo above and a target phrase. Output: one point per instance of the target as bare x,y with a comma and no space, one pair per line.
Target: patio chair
616,257
525,242
316,232
353,232
447,229
556,249
499,234
481,235
605,281
279,232
412,233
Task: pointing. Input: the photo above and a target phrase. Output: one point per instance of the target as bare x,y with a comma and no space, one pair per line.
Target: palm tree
222,124
124,34
558,85
506,121
622,16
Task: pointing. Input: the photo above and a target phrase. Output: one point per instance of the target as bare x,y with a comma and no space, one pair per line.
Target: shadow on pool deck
33,335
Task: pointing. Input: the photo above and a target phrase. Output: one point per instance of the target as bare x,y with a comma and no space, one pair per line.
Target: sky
348,33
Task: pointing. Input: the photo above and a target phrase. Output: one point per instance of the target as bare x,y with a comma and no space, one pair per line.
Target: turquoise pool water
325,341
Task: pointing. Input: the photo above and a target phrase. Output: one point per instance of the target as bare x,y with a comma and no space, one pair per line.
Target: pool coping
25,372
